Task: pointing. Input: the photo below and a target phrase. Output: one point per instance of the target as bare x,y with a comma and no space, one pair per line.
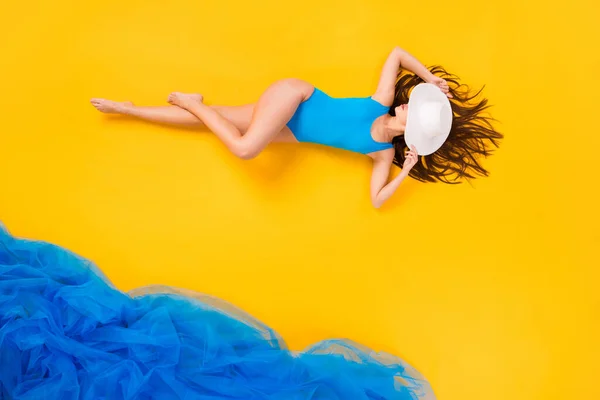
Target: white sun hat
429,119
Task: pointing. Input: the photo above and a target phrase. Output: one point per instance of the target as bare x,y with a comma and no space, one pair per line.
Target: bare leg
274,109
240,116
165,115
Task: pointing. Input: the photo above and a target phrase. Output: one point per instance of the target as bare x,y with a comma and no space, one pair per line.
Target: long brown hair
472,136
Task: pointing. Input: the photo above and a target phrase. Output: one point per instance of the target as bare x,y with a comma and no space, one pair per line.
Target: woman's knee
298,85
245,151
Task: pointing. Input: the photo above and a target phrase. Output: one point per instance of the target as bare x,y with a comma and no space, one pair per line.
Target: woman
453,135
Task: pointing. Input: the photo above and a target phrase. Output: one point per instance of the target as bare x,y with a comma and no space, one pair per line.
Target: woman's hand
411,159
440,83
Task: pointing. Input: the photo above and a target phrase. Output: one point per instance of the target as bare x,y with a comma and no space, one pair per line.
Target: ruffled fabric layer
67,333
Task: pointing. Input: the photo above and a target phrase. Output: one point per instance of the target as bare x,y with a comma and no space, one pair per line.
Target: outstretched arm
381,189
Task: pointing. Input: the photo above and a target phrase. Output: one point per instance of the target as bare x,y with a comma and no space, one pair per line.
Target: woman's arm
389,74
381,190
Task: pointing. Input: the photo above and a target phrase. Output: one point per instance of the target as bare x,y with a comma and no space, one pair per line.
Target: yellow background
490,289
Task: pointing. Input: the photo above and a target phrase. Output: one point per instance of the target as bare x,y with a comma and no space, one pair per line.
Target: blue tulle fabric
67,333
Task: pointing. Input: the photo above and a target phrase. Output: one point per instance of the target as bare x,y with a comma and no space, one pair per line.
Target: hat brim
413,134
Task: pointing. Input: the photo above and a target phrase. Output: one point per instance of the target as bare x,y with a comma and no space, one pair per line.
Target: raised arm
381,189
389,74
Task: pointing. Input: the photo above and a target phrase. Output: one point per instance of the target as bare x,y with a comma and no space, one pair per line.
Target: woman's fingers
412,155
411,158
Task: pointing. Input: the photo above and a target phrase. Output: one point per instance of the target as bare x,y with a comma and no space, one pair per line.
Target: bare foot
109,106
184,99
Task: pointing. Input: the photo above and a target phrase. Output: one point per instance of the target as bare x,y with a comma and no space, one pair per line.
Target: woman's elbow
399,51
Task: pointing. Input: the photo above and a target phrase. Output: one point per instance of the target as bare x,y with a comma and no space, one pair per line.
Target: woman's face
398,122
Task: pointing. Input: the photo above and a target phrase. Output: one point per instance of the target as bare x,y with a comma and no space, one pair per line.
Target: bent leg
272,112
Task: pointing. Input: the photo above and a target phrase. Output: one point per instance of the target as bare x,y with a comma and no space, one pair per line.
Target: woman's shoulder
383,99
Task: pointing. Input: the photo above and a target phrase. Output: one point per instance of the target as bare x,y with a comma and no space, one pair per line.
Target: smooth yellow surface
491,290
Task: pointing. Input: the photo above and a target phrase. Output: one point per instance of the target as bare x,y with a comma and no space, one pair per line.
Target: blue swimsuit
344,123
